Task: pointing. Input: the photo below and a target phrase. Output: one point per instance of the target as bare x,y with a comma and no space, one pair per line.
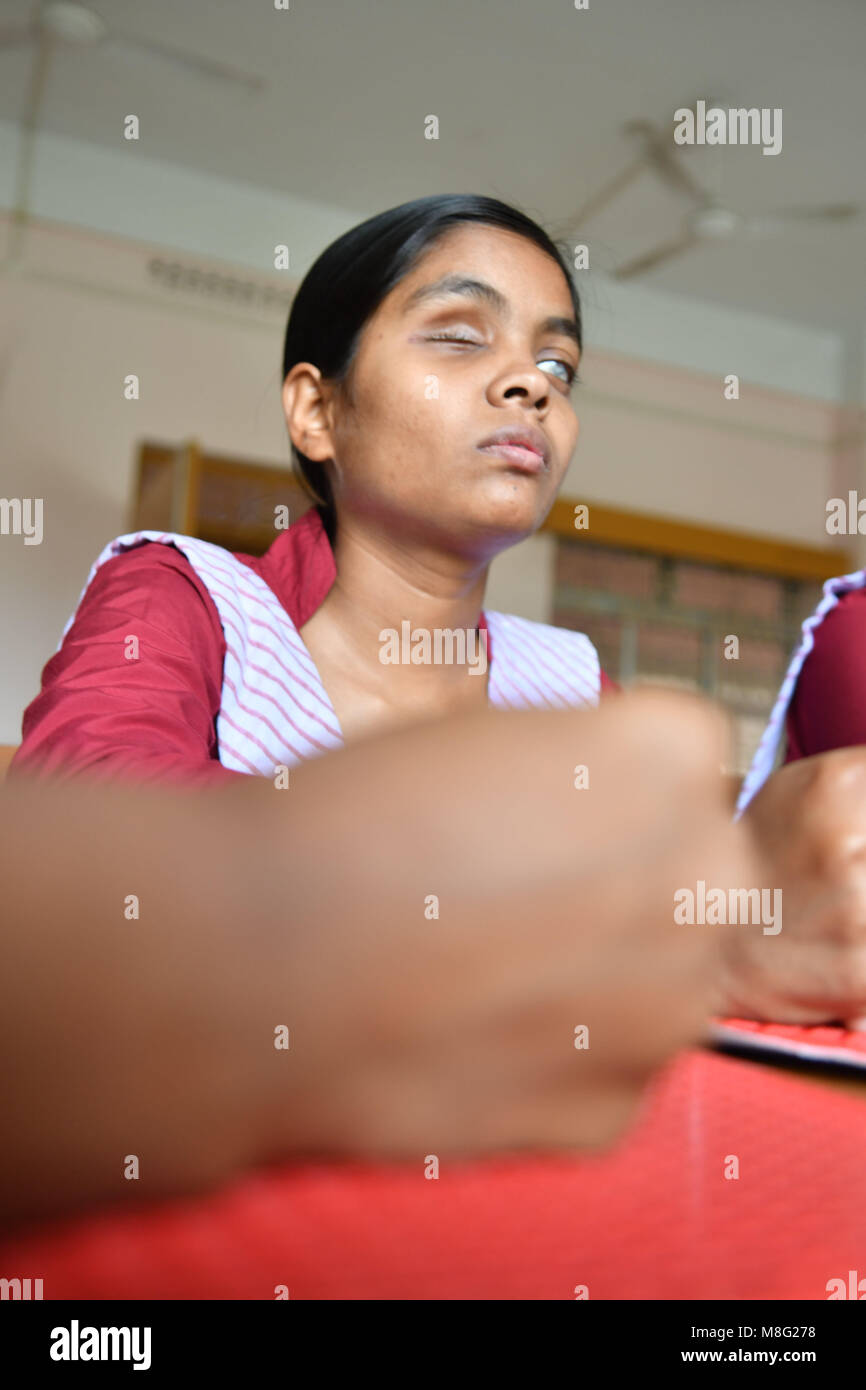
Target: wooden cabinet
228,501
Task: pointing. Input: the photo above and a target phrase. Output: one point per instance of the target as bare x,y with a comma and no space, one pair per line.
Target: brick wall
663,621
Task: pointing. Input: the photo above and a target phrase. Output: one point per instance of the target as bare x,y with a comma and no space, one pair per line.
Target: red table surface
654,1218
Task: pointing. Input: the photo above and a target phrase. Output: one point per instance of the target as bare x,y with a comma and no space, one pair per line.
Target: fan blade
665,162
190,62
601,198
826,212
784,218
650,259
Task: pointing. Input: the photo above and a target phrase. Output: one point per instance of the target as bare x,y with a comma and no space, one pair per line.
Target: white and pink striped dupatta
274,709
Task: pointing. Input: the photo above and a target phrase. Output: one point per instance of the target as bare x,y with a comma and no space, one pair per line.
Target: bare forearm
158,942
133,1000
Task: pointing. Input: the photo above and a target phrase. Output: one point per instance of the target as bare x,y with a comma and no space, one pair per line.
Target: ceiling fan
709,220
59,23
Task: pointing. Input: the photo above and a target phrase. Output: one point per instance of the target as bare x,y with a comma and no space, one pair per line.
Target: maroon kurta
155,718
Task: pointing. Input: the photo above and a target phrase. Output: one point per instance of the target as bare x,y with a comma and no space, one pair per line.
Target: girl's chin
504,528
515,502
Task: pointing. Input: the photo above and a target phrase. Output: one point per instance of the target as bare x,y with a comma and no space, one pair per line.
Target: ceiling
531,97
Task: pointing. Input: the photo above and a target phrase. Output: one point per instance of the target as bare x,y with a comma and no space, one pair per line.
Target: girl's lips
526,460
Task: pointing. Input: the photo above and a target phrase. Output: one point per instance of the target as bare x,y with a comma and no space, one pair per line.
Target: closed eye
447,337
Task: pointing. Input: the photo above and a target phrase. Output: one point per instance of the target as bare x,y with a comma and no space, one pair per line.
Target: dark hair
349,280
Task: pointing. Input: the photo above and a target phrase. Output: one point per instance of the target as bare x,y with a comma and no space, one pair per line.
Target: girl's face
439,368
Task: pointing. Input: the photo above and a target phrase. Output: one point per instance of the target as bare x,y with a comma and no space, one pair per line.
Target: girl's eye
570,372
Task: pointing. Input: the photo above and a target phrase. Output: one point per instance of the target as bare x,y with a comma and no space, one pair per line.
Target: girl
434,915
429,365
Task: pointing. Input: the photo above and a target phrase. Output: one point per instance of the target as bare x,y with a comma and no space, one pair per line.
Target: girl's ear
305,406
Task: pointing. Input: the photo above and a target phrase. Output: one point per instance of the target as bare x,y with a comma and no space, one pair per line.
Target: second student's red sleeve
828,708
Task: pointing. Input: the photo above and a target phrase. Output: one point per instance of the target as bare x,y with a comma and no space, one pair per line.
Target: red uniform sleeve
106,711
828,708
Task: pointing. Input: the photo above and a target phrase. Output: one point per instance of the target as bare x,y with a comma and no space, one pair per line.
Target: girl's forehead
478,240
510,263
